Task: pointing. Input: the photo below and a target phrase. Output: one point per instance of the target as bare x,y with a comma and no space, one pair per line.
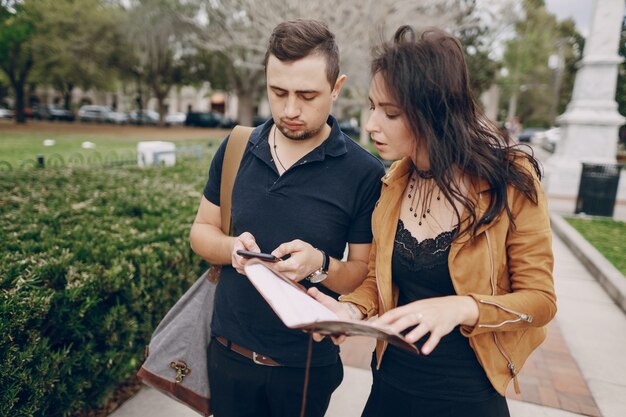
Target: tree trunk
18,88
67,97
160,92
245,113
512,112
162,110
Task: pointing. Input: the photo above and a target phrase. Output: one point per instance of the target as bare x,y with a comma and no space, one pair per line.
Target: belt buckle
258,362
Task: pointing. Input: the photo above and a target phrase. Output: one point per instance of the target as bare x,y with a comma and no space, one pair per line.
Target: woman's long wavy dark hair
427,77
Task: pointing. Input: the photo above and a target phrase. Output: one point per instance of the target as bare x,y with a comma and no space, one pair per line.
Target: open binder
298,310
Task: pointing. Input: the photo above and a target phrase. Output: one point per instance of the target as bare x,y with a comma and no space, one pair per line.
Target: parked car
117,117
203,119
549,139
146,117
6,113
40,112
93,113
59,113
175,119
51,112
350,127
228,122
258,120
527,135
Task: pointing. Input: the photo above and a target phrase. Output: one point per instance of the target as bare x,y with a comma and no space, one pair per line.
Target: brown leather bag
176,358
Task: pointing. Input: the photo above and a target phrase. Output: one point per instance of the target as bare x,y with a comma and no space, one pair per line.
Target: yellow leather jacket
507,271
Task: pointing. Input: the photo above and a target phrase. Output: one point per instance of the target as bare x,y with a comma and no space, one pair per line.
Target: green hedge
90,261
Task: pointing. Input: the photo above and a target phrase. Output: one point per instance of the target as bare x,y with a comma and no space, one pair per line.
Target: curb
612,280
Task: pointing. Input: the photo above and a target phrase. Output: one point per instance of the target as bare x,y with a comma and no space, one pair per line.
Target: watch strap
326,262
320,274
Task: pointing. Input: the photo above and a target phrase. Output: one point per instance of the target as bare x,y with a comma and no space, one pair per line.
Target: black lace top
451,371
426,254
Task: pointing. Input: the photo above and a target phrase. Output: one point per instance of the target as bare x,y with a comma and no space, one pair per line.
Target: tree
238,31
155,37
17,30
526,60
199,65
535,92
77,44
569,52
482,69
4,89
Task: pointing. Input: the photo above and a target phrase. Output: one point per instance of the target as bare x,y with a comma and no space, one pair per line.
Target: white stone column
589,127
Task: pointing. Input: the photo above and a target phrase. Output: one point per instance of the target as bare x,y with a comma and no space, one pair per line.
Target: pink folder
298,310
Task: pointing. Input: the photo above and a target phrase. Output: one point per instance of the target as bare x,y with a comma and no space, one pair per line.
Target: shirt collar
334,145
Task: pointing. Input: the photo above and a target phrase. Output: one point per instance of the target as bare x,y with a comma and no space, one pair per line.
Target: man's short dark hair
296,39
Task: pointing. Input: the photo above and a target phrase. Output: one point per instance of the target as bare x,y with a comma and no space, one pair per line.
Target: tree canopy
17,31
149,46
77,45
534,91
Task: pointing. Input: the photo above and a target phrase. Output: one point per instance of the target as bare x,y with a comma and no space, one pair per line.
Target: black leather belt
253,356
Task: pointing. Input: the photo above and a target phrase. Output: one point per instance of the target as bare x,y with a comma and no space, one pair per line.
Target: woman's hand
244,241
437,316
304,259
345,311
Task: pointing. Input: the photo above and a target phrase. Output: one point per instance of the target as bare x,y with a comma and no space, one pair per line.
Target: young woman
462,259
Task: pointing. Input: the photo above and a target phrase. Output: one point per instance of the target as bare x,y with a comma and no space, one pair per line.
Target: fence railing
108,159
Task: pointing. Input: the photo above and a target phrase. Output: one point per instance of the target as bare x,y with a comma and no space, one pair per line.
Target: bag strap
230,166
305,389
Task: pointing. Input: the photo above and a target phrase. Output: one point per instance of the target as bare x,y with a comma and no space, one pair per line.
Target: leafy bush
90,261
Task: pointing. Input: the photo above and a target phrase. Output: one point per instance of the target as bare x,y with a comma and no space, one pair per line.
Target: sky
579,10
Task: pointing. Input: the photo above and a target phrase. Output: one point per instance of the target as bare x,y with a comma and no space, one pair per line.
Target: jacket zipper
382,300
520,316
511,365
512,368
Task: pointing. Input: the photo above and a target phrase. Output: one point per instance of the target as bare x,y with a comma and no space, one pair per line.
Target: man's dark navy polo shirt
325,199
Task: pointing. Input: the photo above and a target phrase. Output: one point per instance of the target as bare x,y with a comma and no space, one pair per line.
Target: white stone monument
589,127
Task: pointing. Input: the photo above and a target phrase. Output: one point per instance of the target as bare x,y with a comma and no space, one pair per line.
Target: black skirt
387,400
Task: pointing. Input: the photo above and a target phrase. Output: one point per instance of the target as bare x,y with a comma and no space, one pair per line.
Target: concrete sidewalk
592,326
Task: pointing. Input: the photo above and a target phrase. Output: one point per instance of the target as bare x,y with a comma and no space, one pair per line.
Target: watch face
318,276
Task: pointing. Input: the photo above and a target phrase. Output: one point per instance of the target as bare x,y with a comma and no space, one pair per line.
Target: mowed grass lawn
606,235
20,143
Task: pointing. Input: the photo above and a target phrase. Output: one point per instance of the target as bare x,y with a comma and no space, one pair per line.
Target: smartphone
263,256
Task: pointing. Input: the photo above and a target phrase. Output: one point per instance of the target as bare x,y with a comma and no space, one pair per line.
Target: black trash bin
598,189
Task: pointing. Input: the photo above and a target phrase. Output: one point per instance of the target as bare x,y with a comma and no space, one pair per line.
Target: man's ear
338,84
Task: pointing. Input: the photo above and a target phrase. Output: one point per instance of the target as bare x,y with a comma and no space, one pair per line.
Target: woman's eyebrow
384,104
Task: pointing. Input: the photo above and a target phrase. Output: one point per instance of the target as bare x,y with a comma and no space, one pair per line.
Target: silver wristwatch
322,273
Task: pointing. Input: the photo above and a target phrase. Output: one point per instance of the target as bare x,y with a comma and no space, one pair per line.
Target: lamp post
556,63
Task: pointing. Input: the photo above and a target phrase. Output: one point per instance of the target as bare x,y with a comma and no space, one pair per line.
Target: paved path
580,370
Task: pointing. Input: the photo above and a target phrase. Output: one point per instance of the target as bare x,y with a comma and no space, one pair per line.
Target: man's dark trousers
241,388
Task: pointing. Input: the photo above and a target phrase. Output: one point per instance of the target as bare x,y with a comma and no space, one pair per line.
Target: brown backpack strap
230,166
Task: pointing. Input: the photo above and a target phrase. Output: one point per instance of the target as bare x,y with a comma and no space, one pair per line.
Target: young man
303,189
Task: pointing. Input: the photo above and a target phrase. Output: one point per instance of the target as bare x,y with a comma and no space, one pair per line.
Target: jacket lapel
394,183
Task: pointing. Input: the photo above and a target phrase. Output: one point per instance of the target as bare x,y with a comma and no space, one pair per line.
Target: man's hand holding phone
259,255
243,242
